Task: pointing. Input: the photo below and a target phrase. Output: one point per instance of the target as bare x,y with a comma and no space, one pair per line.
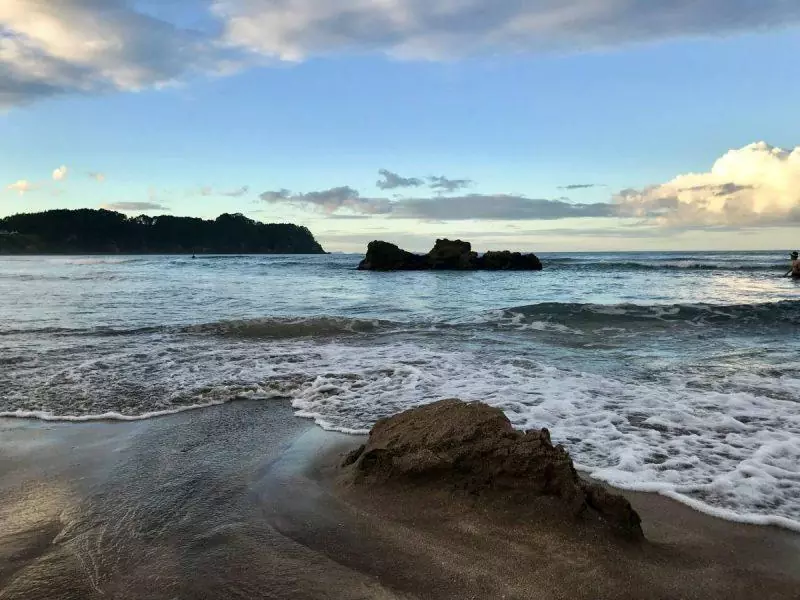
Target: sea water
670,372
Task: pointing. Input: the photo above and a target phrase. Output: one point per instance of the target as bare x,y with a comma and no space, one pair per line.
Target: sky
550,125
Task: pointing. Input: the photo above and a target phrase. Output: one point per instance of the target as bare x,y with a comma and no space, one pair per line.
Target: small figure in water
193,256
794,272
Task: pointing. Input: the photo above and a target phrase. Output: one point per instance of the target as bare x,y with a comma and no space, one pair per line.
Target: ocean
676,373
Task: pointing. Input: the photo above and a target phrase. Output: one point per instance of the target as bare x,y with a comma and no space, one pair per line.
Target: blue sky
287,111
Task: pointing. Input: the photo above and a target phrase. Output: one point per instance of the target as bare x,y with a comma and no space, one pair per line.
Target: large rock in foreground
473,446
445,255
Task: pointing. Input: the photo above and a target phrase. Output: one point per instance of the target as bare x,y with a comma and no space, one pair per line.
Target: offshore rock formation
446,255
473,446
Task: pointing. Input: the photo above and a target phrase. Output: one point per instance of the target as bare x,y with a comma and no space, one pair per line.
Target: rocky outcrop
473,446
446,254
510,261
383,256
451,255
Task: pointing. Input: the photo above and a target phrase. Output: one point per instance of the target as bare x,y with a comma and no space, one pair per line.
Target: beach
245,500
399,300
173,427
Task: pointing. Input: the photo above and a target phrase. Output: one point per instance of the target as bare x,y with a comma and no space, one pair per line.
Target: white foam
108,416
727,447
734,455
665,489
518,320
503,319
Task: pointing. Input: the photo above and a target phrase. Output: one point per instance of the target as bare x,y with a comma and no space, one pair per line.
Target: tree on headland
104,231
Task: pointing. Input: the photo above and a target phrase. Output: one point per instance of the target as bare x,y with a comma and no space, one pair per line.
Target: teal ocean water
669,372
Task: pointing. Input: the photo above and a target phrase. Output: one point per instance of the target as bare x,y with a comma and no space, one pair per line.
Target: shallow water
670,372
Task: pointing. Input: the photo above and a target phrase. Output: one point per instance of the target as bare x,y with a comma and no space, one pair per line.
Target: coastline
66,253
350,439
244,500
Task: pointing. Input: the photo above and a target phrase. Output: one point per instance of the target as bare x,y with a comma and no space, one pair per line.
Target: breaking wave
547,316
275,328
673,265
786,312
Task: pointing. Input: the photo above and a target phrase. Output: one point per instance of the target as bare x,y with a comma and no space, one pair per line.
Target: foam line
108,416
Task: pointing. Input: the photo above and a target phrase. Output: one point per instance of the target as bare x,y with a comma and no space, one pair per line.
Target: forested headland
90,231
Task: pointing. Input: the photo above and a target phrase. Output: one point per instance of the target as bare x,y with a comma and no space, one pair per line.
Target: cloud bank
754,186
50,47
295,29
503,207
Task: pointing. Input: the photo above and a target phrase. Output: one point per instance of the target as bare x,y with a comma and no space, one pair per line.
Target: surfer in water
794,272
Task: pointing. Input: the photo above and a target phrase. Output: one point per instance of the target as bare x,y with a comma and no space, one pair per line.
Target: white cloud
758,185
60,173
295,29
52,47
21,186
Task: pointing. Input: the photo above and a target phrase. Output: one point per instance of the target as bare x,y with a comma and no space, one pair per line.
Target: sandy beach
245,501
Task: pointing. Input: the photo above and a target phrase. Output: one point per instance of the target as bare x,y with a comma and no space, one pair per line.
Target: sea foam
727,441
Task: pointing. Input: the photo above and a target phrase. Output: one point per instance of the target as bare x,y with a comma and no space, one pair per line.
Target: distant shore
243,500
160,253
103,231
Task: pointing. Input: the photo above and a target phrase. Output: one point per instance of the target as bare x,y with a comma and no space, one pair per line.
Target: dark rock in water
509,261
445,255
383,256
473,446
451,255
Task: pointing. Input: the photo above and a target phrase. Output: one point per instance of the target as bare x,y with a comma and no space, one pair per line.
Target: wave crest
785,312
576,264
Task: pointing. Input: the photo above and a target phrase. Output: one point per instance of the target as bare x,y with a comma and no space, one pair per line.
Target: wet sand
245,501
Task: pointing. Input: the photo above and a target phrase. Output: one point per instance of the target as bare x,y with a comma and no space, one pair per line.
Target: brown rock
473,446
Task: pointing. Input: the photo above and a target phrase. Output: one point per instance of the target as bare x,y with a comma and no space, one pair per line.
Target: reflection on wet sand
173,509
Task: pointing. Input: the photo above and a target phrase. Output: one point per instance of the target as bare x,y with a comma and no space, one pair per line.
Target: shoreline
244,500
149,254
357,437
